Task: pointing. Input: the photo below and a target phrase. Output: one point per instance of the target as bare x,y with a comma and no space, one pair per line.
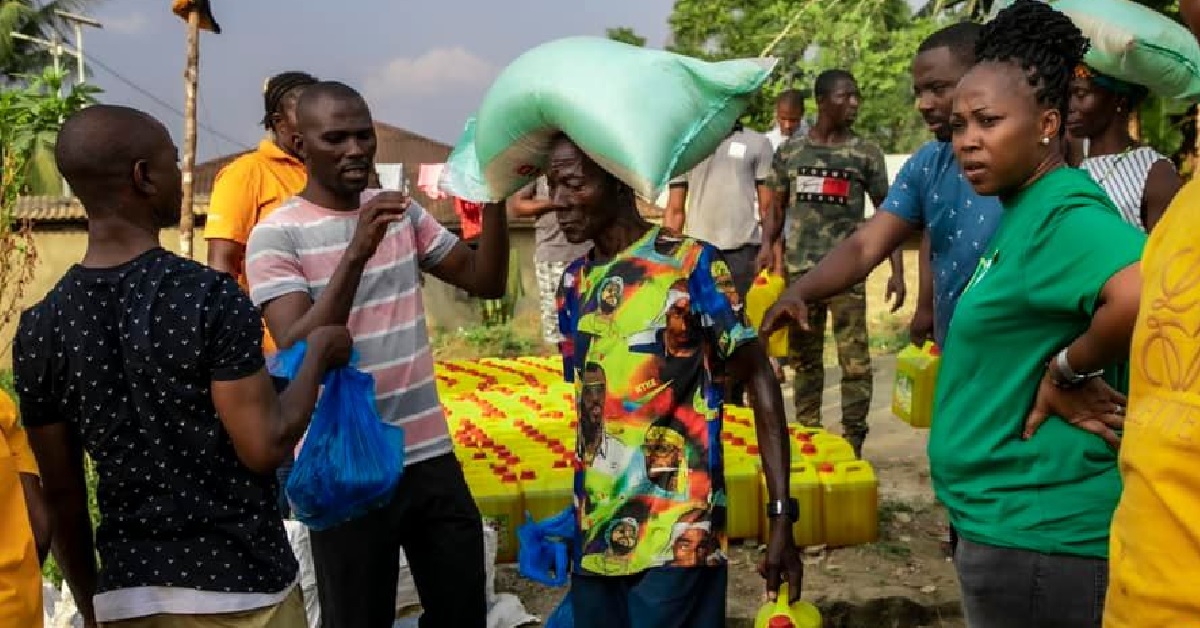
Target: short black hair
829,79
97,147
960,38
325,89
791,97
1043,42
278,88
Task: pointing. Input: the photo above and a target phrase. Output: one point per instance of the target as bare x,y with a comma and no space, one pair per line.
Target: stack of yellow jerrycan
837,494
513,424
763,293
780,614
916,380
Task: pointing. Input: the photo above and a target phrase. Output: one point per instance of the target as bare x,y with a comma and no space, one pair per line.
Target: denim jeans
1012,588
662,597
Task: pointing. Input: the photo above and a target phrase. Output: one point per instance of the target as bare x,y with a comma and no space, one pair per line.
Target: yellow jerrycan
762,295
779,614
916,380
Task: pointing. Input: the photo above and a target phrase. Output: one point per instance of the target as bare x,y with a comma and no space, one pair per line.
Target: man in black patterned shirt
152,365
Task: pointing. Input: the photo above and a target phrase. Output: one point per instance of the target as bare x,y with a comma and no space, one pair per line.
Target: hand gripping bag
544,553
350,461
643,115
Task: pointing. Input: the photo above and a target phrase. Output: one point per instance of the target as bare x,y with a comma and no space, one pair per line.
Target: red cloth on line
470,215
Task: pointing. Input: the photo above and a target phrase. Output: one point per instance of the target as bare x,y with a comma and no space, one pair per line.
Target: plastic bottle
762,295
779,614
850,498
916,380
742,489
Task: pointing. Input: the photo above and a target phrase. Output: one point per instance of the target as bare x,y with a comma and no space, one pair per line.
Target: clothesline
469,214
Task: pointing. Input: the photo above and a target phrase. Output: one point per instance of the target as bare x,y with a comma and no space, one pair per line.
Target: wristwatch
1063,376
788,507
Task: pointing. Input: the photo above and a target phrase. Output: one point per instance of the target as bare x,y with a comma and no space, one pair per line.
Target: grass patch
522,336
892,550
889,508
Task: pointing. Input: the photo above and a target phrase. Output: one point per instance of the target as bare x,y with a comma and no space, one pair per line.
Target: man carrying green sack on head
652,326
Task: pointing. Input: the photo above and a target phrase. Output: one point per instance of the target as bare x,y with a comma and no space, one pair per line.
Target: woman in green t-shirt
1018,445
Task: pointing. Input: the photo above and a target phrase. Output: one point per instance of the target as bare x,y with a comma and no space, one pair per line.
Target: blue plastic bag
350,461
544,553
563,616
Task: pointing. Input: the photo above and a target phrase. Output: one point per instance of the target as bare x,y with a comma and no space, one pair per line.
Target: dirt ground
901,581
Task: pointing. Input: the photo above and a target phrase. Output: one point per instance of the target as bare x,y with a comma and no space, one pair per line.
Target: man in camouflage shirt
821,179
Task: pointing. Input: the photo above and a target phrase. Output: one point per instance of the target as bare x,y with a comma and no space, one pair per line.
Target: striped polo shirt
298,247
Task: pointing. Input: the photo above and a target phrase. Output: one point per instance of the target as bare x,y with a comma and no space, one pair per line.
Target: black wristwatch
788,507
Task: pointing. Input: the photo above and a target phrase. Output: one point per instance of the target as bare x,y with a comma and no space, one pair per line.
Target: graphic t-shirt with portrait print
126,356
647,337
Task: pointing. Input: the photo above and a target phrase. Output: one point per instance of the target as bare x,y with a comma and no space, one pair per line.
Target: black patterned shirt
127,356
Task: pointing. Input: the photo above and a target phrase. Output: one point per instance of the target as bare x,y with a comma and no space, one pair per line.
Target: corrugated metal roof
59,209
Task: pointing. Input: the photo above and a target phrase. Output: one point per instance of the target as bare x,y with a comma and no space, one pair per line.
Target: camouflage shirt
824,193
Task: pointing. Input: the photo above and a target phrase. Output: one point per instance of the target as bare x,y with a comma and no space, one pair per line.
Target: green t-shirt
1033,293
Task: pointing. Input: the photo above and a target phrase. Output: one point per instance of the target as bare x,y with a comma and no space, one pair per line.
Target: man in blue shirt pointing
928,194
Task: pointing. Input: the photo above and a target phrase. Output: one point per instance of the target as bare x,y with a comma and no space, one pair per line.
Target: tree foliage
873,39
626,35
30,115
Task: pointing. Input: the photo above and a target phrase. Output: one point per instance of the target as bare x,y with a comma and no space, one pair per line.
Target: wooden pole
191,76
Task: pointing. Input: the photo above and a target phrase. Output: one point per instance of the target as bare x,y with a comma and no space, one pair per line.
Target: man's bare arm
227,256
265,427
482,272
60,458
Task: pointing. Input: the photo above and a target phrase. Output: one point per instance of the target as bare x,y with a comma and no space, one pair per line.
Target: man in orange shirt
253,185
24,526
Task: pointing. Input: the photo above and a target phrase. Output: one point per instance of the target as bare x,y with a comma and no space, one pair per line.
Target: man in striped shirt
340,252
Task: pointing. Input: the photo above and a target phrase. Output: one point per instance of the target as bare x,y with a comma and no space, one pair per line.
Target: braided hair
1044,43
279,88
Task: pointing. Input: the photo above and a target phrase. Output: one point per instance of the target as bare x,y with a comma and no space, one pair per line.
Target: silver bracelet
1066,376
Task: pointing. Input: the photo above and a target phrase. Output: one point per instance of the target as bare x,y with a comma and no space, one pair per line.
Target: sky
423,66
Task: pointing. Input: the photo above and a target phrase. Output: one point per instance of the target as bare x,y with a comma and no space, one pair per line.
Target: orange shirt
246,191
20,573
1155,541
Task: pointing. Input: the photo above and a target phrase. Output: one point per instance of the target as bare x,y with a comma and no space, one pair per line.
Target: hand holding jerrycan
779,614
764,292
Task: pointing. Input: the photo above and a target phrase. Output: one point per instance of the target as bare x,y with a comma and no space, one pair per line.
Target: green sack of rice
644,115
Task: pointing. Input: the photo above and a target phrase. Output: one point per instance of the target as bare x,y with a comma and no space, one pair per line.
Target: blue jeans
663,597
1012,588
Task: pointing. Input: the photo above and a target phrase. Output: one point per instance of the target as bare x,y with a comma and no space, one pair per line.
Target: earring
1045,141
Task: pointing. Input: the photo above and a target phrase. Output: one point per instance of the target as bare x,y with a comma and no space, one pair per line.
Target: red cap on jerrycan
780,614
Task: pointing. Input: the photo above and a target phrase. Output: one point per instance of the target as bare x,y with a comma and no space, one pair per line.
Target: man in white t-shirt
789,118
